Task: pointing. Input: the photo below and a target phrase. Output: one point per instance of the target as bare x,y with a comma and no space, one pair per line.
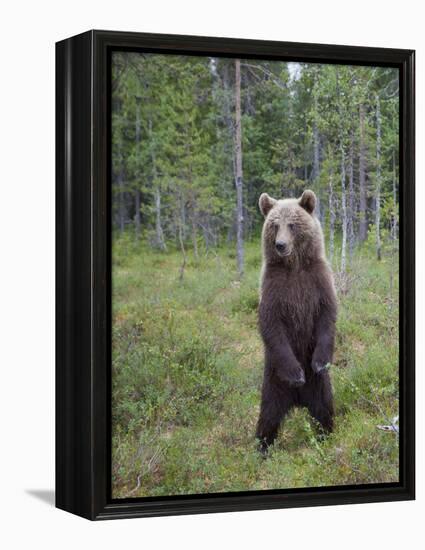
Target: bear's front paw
320,365
291,376
298,380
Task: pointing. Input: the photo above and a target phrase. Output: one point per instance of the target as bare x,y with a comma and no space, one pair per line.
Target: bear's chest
299,299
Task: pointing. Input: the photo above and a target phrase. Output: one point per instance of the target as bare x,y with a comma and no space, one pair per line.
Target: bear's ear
266,203
308,201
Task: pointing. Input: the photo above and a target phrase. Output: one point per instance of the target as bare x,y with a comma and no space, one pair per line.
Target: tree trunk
195,230
159,233
331,217
362,179
343,210
343,182
316,158
121,200
158,225
351,198
238,166
378,180
316,152
393,232
183,216
228,142
138,175
181,242
137,214
193,201
205,226
306,154
394,224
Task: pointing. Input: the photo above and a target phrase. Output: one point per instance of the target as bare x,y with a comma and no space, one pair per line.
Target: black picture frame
83,295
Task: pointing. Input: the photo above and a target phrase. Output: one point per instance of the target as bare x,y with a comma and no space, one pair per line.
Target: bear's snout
281,247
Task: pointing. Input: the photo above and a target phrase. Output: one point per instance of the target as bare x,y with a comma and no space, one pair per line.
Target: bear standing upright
297,315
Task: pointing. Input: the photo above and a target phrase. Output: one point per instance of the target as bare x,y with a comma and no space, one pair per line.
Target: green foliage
173,121
187,371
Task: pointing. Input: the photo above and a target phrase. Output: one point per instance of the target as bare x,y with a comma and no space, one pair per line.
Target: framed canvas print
235,275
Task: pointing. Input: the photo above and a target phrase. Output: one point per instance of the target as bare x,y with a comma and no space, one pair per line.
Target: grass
187,371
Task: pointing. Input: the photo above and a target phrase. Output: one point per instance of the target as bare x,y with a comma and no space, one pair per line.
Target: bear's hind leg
318,398
275,405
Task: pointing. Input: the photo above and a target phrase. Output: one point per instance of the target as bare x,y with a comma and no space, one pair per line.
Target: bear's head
291,231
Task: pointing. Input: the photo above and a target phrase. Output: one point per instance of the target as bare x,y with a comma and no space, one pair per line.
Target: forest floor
187,372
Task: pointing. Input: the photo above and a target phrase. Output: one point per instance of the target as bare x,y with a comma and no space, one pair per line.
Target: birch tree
331,211
238,171
344,219
362,177
351,197
378,179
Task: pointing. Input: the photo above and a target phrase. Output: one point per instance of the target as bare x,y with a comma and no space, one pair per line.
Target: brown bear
297,315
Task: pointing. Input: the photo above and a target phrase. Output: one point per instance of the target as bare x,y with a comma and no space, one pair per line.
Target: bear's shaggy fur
297,315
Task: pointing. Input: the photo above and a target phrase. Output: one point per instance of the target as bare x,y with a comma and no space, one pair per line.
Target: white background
28,33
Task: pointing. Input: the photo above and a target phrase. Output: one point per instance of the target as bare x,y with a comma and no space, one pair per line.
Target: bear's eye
291,226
